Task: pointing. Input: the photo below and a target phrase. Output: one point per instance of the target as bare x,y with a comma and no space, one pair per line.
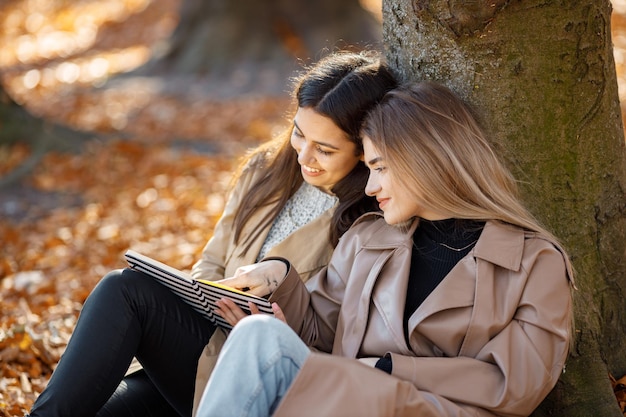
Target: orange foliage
140,186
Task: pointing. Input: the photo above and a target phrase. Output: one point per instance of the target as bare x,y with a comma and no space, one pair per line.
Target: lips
382,202
310,169
311,172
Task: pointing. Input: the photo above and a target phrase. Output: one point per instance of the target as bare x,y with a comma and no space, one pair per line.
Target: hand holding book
200,294
260,279
231,312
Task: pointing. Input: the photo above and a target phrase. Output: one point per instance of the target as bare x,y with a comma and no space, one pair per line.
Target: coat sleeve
312,309
211,264
517,367
300,308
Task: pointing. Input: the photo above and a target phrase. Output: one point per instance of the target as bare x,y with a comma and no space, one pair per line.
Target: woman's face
325,153
397,203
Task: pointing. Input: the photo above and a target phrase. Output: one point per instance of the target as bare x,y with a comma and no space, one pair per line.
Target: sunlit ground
50,48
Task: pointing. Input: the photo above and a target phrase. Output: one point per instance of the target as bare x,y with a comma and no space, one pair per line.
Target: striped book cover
199,294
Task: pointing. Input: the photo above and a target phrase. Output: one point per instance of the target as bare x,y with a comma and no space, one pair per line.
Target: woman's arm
312,309
313,315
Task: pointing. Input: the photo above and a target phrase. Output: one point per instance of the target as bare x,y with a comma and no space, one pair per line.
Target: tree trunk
242,47
18,125
543,75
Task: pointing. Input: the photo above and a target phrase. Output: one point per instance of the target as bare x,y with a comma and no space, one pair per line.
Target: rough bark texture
542,74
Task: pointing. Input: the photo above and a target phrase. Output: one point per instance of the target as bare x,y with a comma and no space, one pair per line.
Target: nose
305,154
372,187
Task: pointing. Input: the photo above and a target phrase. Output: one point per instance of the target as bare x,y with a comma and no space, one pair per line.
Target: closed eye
322,151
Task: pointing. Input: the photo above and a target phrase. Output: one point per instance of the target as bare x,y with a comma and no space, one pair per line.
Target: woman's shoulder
250,170
368,222
254,163
371,229
259,158
512,246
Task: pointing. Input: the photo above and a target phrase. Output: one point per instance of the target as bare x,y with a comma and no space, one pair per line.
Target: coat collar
499,243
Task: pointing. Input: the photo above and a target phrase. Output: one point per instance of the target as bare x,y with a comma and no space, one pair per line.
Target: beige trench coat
490,340
309,247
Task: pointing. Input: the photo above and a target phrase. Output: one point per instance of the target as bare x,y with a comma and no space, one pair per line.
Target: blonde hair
434,146
438,151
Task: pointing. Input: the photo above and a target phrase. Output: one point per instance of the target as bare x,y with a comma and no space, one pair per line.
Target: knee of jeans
260,325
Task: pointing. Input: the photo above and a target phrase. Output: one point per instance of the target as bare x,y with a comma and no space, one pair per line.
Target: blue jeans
256,367
128,314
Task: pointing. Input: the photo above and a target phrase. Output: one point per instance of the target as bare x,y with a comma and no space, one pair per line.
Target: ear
362,157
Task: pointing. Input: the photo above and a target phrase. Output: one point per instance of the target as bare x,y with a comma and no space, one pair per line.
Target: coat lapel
394,246
384,302
465,285
455,290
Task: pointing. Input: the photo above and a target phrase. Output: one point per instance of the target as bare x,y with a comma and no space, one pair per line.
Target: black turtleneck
437,247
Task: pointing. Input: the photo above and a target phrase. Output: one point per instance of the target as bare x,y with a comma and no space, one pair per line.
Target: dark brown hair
343,86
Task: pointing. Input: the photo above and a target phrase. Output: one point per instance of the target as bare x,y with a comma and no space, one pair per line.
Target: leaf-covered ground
154,180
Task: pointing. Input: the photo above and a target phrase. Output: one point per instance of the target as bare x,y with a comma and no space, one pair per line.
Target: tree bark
543,75
243,47
18,125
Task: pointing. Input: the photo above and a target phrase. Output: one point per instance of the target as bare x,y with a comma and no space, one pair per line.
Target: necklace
457,249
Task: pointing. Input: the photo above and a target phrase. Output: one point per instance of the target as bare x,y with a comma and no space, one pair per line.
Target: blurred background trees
253,47
218,50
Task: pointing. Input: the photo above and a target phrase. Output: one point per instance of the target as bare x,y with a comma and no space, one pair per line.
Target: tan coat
490,340
309,247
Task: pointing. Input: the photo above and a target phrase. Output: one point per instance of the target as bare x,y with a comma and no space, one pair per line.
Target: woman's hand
259,279
369,361
232,313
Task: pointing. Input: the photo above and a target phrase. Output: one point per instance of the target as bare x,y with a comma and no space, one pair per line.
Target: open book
199,294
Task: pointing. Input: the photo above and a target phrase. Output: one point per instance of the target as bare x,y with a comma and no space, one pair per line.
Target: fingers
369,361
230,311
260,291
278,313
246,283
253,308
260,279
240,283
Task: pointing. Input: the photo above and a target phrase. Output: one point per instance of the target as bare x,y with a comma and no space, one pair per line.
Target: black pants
128,314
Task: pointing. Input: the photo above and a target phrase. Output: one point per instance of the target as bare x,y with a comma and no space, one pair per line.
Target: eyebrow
374,161
328,145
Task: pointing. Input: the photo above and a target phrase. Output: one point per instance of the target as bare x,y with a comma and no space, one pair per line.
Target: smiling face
398,203
325,153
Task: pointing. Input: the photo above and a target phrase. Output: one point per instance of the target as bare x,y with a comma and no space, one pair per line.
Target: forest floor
152,176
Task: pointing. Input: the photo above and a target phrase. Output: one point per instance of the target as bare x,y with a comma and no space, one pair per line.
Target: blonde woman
453,302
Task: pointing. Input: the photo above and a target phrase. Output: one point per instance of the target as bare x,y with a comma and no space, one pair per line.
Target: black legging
137,396
128,314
